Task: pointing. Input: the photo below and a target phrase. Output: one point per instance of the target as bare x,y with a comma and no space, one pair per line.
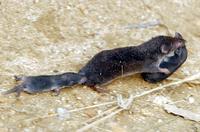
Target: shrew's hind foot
99,89
56,92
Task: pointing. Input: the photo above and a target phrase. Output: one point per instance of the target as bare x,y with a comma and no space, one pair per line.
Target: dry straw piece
167,86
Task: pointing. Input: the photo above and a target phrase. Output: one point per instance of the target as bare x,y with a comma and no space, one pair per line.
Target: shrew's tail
16,89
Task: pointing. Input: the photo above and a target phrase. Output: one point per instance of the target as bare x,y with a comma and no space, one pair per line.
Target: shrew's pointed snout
178,40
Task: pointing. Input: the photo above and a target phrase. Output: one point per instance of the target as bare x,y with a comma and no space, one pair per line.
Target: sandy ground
40,37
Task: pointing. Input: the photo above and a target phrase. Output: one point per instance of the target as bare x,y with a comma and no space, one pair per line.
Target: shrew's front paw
164,70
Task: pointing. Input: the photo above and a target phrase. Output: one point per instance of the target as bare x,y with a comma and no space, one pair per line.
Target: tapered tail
17,89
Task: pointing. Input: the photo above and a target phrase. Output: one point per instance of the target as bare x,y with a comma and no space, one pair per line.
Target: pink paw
164,70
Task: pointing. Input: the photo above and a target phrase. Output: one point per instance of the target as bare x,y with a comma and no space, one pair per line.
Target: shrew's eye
178,51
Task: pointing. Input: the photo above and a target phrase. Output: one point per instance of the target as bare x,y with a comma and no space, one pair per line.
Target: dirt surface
40,37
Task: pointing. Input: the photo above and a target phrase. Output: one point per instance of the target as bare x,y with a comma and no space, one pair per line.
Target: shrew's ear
178,35
165,48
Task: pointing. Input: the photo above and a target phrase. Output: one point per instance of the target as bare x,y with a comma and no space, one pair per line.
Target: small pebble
79,98
63,98
191,100
160,121
95,102
26,130
99,112
62,113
